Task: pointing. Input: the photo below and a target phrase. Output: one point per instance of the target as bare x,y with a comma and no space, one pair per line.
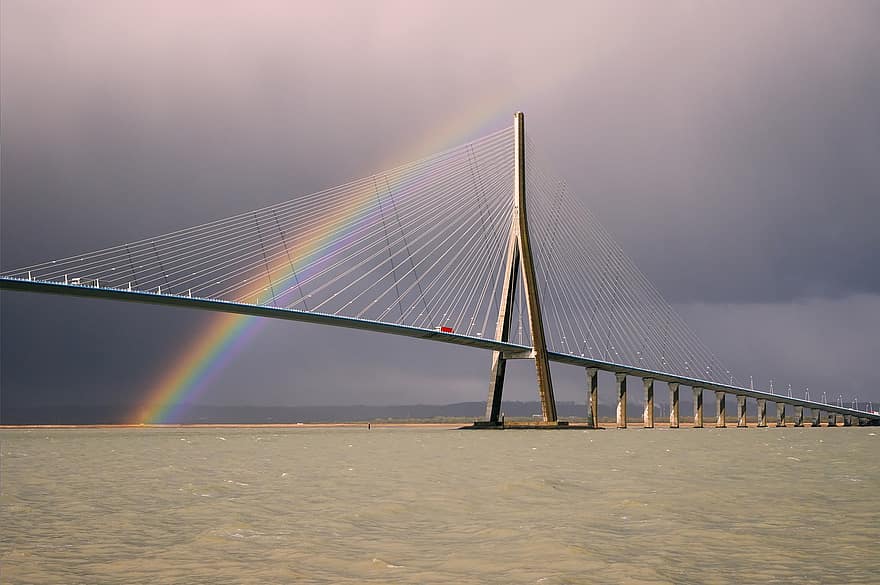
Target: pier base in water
507,425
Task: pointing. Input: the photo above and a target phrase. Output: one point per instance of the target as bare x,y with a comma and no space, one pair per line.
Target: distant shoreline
241,425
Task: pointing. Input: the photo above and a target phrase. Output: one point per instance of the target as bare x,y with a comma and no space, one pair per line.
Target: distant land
206,414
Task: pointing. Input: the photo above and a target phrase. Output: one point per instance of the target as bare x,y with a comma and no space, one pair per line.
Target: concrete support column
698,408
817,416
621,400
648,415
780,414
798,416
832,419
673,405
762,412
847,420
720,409
592,398
741,412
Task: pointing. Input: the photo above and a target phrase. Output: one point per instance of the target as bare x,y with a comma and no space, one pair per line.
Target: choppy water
440,506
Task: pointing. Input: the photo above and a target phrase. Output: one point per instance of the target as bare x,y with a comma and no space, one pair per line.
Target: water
439,506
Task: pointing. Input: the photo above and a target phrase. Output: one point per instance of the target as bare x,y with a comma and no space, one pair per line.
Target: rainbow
226,335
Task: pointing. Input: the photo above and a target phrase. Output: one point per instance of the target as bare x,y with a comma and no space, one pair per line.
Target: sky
731,148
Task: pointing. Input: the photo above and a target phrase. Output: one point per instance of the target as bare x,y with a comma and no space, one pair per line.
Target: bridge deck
215,305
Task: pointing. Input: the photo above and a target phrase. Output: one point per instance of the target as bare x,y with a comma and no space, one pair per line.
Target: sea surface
427,505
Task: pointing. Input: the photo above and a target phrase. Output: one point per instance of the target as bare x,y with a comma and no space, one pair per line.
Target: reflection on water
440,506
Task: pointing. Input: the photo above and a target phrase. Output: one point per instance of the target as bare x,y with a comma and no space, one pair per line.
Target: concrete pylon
621,400
592,398
673,405
780,414
798,416
817,416
762,412
519,260
847,420
832,419
648,416
720,409
741,411
698,408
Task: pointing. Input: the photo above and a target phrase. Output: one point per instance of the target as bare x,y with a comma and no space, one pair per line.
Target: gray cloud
732,148
821,344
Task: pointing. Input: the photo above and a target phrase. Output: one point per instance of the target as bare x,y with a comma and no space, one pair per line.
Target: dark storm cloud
826,345
733,149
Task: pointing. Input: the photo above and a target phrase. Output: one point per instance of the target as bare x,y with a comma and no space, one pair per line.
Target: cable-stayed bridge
478,246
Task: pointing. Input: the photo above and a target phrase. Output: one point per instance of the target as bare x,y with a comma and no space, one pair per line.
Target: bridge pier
698,408
673,405
798,416
847,420
621,400
720,409
762,412
741,411
832,419
817,417
648,416
780,414
592,398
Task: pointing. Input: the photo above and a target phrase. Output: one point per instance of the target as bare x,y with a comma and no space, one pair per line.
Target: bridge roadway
511,349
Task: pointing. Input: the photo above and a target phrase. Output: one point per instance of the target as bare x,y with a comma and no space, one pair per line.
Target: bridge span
448,248
827,413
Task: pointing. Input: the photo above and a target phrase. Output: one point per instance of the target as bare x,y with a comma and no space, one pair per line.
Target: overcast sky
732,149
